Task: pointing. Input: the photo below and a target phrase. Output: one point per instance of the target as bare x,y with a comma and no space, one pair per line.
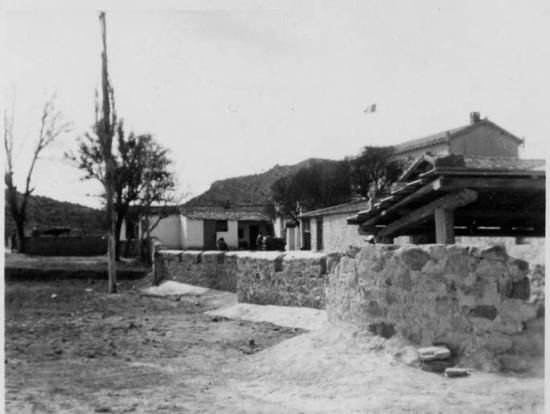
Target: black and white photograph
274,206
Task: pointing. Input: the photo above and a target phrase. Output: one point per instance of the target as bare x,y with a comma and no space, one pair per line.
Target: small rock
218,319
54,295
103,410
249,350
89,290
251,343
456,372
438,366
58,351
432,353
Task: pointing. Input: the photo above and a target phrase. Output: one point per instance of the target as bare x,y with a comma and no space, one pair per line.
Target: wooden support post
384,240
448,202
444,226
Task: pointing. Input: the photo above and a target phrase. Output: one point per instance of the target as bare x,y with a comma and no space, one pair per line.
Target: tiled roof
346,208
445,136
156,210
427,141
504,164
243,213
427,164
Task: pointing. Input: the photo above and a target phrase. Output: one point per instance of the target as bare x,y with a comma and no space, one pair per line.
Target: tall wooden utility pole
105,130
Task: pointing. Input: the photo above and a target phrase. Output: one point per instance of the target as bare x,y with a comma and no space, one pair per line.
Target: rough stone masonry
266,278
487,307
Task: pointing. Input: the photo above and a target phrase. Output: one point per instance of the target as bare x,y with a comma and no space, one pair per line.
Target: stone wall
288,279
276,278
211,269
487,307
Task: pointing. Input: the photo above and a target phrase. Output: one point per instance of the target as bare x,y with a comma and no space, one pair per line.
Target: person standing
259,241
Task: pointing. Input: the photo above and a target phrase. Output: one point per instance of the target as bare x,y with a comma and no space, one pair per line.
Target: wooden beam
365,231
450,201
504,214
485,173
500,232
444,226
434,185
489,183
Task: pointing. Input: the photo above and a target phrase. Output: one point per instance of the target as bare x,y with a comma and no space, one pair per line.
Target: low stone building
327,229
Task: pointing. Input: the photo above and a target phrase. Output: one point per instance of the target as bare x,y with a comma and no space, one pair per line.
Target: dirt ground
72,348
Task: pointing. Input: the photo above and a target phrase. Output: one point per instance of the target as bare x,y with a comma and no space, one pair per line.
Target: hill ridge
251,189
48,212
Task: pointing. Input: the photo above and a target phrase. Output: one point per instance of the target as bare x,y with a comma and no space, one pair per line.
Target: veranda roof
488,196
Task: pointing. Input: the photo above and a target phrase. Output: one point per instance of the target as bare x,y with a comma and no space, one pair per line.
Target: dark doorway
210,234
319,233
306,235
253,232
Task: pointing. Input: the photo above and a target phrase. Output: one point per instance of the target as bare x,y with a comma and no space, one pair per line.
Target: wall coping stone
269,255
172,252
303,254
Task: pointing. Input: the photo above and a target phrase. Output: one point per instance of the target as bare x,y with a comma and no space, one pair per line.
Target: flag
370,108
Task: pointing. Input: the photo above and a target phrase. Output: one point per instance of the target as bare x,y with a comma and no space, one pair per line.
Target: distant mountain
47,212
249,190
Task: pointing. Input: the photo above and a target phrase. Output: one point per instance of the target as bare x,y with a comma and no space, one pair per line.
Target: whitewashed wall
231,236
168,231
192,236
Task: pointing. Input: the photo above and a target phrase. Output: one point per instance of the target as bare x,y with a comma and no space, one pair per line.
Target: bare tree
51,126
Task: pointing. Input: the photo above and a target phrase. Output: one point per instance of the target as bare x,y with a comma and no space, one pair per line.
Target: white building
200,228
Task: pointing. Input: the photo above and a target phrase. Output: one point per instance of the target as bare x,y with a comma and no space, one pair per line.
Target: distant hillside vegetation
249,189
47,213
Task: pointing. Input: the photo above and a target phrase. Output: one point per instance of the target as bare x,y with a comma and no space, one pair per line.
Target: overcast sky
239,86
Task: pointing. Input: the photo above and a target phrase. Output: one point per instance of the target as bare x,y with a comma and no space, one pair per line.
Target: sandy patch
334,370
288,316
171,288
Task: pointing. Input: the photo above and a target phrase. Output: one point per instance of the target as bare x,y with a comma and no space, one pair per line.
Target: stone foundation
487,307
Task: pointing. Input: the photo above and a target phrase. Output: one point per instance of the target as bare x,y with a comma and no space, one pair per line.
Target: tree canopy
142,172
371,171
323,184
318,185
